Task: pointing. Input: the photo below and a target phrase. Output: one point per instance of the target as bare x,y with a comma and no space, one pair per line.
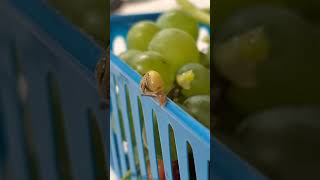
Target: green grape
205,59
199,107
151,60
208,56
194,11
176,46
194,79
270,58
237,58
180,20
128,56
141,34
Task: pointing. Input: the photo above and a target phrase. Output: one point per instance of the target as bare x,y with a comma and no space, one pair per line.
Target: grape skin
180,20
141,34
176,46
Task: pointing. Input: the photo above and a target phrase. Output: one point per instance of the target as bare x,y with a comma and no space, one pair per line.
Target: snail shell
153,81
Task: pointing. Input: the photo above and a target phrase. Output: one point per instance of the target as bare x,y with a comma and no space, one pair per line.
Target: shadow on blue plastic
227,165
2,139
44,44
38,16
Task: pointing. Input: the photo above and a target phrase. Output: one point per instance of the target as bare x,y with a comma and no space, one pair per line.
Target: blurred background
90,16
149,6
45,66
267,71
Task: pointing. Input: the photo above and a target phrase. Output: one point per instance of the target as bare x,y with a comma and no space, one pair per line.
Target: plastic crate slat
99,153
137,126
181,146
200,164
126,120
33,56
77,136
116,118
113,152
3,154
114,157
76,101
41,130
59,130
163,125
16,160
148,120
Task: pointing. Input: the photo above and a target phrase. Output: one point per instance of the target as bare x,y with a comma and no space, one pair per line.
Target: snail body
153,85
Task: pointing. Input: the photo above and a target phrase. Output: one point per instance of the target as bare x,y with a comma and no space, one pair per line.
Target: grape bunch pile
169,47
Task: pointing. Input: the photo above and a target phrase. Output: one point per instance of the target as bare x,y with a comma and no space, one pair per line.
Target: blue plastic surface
225,166
48,49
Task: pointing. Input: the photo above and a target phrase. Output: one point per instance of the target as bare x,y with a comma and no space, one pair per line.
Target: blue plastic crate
48,97
225,166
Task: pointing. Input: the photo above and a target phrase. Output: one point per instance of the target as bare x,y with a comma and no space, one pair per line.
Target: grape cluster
169,47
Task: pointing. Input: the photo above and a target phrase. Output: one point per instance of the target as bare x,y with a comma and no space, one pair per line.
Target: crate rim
129,17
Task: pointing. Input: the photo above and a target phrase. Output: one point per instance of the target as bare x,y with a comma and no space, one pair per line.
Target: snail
153,85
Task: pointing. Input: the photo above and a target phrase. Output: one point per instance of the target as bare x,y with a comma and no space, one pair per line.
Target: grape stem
198,14
126,176
185,79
